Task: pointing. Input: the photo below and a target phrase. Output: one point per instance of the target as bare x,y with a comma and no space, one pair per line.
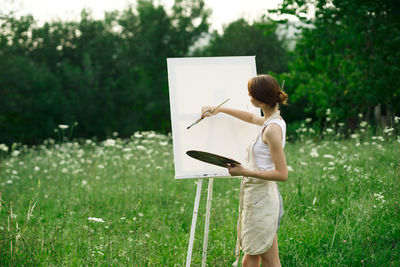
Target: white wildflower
341,124
147,235
303,163
109,142
388,130
396,119
140,147
314,153
163,143
308,120
290,169
363,123
84,182
95,219
9,181
63,126
138,135
36,169
328,112
354,136
329,130
328,156
15,153
3,147
100,166
380,138
127,156
141,214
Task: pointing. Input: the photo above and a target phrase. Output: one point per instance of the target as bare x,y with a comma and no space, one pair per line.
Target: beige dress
259,207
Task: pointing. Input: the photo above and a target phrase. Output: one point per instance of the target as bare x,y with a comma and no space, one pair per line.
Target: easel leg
207,224
194,219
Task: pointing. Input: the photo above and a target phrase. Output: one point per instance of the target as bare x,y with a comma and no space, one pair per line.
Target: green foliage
30,93
346,58
108,75
259,39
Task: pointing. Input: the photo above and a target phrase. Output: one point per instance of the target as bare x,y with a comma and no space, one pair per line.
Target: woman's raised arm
237,113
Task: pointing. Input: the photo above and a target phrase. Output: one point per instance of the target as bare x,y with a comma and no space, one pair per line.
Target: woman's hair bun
282,96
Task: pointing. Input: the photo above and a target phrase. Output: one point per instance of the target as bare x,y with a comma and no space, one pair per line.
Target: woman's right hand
206,111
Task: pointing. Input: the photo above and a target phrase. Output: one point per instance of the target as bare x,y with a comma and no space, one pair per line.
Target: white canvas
198,82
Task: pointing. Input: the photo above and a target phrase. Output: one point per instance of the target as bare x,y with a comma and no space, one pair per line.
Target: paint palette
211,158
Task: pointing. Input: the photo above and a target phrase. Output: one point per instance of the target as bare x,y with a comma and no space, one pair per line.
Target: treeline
107,75
110,75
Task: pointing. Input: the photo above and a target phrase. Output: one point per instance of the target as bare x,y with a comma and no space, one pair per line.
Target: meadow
116,203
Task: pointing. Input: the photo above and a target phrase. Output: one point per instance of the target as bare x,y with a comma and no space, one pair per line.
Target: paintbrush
211,111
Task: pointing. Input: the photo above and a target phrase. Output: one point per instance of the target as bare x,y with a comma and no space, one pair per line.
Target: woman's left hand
235,169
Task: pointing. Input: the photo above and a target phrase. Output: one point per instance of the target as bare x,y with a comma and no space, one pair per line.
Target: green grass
341,206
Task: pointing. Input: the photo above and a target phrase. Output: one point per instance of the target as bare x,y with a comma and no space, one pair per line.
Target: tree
240,38
346,57
151,36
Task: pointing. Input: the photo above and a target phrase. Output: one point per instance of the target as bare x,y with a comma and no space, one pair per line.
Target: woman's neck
268,111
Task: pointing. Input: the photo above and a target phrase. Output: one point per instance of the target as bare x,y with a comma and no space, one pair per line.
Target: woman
260,208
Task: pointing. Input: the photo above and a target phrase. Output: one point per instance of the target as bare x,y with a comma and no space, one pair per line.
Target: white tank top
261,152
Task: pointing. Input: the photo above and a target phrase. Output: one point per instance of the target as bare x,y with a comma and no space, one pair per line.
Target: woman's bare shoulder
272,133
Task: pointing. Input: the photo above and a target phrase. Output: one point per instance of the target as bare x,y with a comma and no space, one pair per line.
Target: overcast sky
224,11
